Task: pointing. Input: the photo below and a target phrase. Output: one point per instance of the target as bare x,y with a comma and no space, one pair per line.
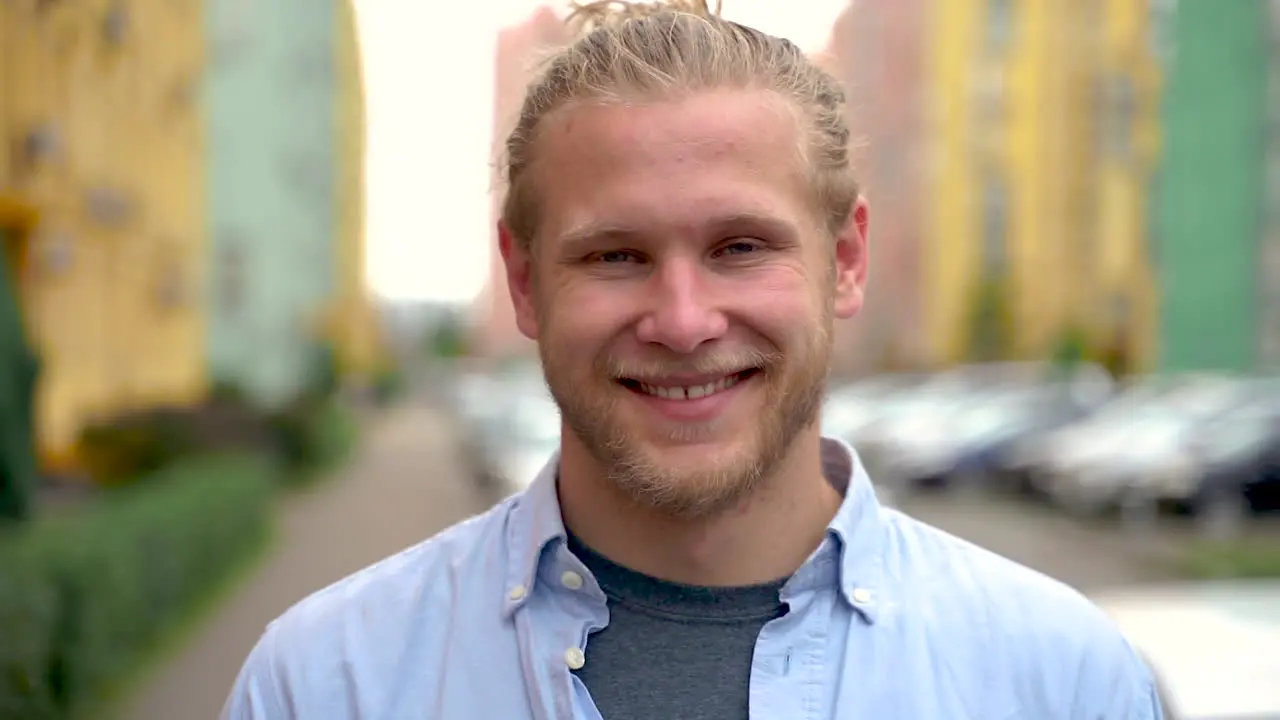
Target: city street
406,484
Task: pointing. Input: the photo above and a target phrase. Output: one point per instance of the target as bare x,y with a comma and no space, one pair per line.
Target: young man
682,228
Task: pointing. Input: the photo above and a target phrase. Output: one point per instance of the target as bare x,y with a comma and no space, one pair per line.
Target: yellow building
950,250
1027,200
1123,305
355,328
101,196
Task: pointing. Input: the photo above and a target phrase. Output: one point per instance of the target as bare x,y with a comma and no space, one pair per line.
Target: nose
683,312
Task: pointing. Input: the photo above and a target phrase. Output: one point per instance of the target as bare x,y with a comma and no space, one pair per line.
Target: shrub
28,614
315,437
323,378
389,384
139,444
84,597
19,373
992,331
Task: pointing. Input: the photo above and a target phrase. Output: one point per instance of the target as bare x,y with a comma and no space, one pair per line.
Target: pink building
518,50
876,49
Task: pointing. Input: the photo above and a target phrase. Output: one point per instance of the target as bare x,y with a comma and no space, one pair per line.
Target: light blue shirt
890,619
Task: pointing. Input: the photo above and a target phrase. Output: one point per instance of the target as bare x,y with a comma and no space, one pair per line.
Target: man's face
682,290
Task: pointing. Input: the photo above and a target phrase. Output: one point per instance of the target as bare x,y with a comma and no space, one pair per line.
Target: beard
647,465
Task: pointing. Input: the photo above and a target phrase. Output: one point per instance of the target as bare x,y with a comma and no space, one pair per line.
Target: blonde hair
633,50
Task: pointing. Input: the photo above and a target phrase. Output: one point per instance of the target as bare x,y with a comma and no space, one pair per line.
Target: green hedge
1239,559
84,597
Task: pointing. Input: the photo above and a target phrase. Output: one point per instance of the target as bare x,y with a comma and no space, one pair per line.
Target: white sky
429,87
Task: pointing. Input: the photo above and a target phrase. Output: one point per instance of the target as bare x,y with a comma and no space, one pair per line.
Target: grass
1253,558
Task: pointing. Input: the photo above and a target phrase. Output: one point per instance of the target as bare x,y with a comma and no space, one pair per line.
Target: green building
1216,222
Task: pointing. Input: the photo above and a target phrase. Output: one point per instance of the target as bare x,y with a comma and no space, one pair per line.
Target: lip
701,409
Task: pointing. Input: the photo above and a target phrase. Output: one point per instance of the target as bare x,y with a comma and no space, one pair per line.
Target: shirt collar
851,555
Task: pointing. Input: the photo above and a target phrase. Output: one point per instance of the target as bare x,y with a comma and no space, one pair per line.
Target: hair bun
586,16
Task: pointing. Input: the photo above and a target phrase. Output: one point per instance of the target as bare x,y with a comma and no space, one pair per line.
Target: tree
19,371
991,332
447,340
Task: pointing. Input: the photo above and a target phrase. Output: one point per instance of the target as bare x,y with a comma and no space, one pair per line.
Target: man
682,228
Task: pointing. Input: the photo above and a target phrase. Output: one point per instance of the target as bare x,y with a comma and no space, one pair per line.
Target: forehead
679,162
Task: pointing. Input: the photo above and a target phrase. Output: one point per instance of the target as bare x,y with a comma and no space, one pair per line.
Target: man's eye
740,247
616,256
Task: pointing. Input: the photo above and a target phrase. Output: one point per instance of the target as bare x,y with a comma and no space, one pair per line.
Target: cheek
581,320
783,303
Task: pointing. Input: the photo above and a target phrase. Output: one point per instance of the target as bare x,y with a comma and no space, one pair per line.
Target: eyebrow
593,236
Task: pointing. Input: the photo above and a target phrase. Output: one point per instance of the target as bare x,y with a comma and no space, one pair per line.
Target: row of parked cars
1075,437
1207,445
1203,444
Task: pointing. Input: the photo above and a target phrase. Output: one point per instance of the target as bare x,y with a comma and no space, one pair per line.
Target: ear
852,258
518,262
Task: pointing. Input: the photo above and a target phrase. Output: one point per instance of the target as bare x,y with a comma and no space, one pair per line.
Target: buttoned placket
564,608
787,668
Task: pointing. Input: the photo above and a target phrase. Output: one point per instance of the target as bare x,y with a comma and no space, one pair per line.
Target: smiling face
682,290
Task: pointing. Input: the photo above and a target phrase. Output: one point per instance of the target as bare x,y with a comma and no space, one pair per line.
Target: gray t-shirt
673,652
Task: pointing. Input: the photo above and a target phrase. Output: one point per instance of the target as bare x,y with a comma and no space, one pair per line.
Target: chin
694,458
691,491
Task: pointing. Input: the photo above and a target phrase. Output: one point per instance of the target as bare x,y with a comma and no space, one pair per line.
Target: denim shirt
889,619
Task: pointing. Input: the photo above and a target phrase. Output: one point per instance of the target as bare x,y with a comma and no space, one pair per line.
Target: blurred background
254,336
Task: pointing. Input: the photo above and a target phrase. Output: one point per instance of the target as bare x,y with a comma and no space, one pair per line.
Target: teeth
690,392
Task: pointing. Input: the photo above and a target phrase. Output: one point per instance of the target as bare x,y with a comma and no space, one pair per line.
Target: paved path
401,488
1090,558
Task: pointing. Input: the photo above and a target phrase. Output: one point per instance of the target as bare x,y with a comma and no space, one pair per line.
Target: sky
429,86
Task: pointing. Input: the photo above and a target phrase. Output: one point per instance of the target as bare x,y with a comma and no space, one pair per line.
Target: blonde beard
793,399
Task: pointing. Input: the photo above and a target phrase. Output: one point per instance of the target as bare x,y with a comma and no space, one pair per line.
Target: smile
691,391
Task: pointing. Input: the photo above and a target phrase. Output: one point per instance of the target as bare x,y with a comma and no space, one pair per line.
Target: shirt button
574,658
571,580
861,596
518,592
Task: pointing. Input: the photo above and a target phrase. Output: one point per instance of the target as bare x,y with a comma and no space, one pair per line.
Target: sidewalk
402,487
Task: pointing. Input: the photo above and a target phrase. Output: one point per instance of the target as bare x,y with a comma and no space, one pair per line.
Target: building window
1116,107
233,29
1000,28
313,68
231,286
995,225
1162,30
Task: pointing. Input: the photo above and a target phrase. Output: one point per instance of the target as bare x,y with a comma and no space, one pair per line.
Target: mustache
717,363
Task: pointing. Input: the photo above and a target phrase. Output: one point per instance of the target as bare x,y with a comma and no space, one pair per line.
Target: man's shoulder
1040,632
934,559
450,552
380,630
1000,602
383,600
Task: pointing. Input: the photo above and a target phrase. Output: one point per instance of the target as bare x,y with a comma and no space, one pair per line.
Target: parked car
1212,645
477,406
851,409
964,424
532,437
1229,465
1094,467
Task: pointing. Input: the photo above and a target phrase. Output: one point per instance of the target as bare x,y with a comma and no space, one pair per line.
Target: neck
765,538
